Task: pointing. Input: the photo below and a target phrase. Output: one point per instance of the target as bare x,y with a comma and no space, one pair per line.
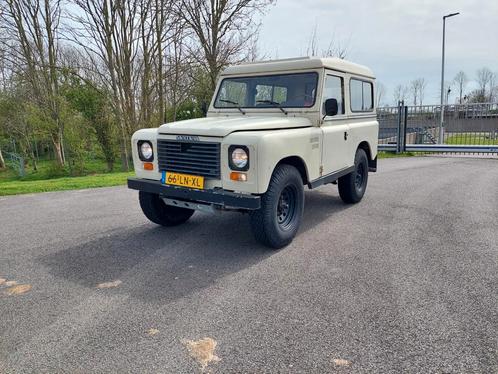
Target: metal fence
17,162
467,128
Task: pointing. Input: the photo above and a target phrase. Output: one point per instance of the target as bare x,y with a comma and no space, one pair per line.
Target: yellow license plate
184,180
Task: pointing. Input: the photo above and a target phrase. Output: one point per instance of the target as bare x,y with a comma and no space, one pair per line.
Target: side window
334,89
361,93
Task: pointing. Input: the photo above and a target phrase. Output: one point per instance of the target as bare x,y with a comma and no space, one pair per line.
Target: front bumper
217,196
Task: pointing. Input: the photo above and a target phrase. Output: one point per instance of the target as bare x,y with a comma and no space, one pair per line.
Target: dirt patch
2,281
341,362
109,284
202,351
19,289
10,283
152,332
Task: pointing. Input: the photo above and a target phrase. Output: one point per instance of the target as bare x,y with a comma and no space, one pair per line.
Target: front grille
197,158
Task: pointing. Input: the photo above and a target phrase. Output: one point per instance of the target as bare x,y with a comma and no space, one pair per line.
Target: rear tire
158,212
276,223
352,186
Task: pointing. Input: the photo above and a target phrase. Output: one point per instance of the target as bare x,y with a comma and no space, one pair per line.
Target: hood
222,126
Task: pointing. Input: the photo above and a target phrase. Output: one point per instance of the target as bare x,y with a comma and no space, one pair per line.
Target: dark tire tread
263,220
158,212
347,188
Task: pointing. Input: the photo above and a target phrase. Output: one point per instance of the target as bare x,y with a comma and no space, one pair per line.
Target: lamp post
441,121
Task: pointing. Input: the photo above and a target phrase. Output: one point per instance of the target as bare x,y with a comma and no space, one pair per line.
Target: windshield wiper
274,103
237,105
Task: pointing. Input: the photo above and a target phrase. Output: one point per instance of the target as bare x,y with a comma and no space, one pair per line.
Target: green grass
471,139
65,183
50,178
47,169
394,155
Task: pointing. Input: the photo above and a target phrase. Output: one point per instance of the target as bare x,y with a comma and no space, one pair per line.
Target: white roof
299,63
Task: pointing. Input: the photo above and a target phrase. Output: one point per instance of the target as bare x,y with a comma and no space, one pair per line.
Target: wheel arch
298,163
372,162
366,147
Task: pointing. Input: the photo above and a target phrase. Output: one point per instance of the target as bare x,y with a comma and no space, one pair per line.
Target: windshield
268,91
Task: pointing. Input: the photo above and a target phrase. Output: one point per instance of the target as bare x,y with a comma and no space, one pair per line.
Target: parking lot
405,281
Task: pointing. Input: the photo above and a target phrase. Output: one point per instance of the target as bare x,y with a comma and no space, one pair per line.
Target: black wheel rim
360,176
286,207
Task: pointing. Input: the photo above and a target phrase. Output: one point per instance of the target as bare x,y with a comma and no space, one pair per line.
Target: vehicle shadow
320,205
159,264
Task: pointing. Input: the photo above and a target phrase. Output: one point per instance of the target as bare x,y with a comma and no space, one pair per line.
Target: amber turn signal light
239,177
148,166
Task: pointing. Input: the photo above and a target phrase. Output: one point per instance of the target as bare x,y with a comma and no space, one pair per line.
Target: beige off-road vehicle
271,129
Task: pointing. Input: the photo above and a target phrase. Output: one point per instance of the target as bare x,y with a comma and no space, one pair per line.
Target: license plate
184,180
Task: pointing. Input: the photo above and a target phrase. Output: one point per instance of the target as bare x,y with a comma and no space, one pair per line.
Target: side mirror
331,107
204,108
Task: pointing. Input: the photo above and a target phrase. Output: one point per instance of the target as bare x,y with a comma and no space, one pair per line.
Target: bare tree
221,29
312,49
110,34
5,79
32,37
178,70
461,81
167,28
335,48
417,89
400,93
421,90
414,89
484,79
493,88
380,91
2,161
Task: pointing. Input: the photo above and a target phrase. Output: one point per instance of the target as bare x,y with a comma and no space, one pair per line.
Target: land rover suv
272,129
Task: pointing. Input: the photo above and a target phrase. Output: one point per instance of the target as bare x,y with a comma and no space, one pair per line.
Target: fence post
401,105
405,125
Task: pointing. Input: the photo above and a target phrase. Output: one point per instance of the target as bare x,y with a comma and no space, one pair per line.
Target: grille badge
189,138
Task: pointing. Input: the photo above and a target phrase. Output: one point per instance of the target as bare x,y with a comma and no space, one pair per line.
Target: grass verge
471,139
47,169
395,155
60,184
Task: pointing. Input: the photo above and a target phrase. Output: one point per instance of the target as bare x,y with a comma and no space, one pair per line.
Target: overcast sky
399,39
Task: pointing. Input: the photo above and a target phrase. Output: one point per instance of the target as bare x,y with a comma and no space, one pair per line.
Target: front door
335,152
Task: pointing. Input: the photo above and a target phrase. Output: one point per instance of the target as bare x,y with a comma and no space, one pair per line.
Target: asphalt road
404,282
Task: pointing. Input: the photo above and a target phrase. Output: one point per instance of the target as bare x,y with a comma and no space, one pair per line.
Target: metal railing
468,128
17,161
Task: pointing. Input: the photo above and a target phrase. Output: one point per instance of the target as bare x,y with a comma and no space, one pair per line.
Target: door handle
346,135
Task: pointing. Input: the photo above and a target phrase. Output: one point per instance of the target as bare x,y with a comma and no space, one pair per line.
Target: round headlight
239,158
146,150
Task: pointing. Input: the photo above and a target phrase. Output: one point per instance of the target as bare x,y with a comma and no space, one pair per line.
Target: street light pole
441,120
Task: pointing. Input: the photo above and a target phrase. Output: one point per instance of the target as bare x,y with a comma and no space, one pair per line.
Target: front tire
352,186
158,212
276,223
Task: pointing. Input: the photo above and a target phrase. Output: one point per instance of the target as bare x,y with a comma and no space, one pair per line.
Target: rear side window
361,94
